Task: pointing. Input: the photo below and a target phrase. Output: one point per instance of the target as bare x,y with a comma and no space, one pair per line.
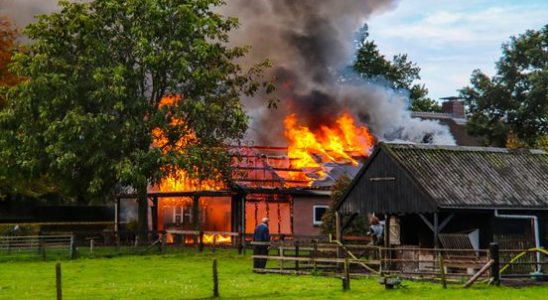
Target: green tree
358,227
8,43
515,100
399,73
98,73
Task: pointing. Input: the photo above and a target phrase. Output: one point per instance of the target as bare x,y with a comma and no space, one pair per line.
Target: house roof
457,127
471,177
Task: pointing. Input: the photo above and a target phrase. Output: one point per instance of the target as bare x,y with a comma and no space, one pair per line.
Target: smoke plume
23,12
311,45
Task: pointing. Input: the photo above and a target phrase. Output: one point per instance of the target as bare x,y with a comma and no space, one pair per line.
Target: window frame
314,222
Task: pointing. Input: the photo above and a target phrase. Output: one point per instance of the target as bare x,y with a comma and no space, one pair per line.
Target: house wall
303,223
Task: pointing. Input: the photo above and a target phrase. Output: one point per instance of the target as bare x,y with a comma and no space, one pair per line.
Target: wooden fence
37,244
453,265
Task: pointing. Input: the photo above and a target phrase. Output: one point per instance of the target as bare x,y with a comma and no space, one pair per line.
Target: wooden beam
479,273
338,226
387,231
382,179
350,219
427,222
446,221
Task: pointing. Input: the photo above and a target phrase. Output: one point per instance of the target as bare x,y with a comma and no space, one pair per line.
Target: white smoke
23,12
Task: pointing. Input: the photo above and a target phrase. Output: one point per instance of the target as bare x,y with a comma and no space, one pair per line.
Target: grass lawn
187,275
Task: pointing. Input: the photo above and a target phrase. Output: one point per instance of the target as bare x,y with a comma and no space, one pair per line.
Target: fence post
43,250
495,267
297,255
315,254
215,279
72,248
442,270
281,254
91,242
201,242
346,278
58,281
240,242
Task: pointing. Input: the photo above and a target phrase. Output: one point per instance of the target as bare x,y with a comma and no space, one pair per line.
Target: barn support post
436,227
154,212
388,251
338,233
436,231
235,218
242,225
196,215
387,231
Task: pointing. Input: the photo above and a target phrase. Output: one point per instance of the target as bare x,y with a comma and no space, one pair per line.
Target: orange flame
180,180
216,239
340,142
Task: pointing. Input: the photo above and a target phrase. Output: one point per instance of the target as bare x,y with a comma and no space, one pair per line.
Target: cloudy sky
449,39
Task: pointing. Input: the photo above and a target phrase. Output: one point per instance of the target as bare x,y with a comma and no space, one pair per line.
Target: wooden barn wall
385,196
505,231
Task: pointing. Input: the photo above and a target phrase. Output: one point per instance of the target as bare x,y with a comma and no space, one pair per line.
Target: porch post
154,212
242,226
387,231
196,212
436,231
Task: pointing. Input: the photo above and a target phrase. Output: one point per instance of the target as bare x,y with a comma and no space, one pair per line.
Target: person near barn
376,231
262,237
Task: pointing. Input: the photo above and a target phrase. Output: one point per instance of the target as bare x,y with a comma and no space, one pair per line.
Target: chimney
453,106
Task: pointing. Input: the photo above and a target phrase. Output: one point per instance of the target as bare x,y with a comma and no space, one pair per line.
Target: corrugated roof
476,176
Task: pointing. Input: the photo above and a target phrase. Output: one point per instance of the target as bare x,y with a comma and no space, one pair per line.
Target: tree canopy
398,73
8,43
513,103
97,75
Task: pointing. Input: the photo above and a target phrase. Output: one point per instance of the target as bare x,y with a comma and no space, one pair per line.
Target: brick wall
453,107
303,214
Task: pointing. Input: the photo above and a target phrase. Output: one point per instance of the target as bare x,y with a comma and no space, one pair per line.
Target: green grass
187,275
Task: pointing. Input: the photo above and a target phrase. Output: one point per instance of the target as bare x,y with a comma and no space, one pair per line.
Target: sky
449,39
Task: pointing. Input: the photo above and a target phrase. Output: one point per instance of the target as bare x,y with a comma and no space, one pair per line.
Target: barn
427,193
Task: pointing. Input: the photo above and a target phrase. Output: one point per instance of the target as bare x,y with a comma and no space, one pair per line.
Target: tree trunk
142,228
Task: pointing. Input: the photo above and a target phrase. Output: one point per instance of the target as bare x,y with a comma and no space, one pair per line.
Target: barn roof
470,177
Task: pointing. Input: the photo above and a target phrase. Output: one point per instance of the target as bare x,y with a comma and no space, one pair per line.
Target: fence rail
287,257
36,244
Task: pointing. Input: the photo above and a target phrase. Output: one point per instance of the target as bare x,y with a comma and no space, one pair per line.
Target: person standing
261,235
376,231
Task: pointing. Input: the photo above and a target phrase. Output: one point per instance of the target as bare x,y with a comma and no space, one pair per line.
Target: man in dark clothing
262,235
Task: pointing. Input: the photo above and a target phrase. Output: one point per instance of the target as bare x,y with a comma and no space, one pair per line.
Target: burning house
289,185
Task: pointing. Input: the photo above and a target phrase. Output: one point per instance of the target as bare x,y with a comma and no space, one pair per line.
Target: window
319,211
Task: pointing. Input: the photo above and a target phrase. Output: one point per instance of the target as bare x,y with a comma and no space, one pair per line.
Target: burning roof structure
266,181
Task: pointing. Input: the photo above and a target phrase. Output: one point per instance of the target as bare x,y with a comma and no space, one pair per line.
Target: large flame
179,180
340,142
